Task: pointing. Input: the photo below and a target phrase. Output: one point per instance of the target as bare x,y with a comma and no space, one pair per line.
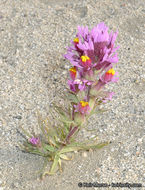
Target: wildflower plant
92,55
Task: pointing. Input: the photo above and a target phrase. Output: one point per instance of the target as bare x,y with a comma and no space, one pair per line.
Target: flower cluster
34,141
92,55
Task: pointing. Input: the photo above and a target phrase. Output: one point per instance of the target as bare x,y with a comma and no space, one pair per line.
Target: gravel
33,39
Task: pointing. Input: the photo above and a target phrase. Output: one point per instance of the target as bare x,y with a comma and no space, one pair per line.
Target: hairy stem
73,112
72,131
88,93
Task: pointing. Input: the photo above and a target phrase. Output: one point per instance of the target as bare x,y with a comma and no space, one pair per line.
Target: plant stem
88,93
73,112
72,131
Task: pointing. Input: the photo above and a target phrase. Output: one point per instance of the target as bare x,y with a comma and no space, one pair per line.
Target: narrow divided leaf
50,148
73,98
63,156
54,165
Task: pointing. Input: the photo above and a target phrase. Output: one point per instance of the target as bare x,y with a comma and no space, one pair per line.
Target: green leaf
97,146
66,119
63,135
38,153
53,142
63,156
49,133
66,126
41,124
94,111
50,148
54,165
82,147
53,168
70,149
59,163
29,145
59,110
73,98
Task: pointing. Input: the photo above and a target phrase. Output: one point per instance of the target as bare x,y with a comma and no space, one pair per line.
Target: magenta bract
92,51
34,141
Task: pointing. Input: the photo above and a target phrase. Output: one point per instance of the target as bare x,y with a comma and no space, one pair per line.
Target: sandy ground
33,73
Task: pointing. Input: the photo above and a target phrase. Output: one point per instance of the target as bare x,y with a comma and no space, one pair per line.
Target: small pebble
137,153
84,154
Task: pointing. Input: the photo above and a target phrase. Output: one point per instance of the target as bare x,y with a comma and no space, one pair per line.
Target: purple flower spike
93,55
97,44
34,141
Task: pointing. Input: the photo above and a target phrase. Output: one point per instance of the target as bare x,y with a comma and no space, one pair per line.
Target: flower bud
35,141
76,40
109,75
83,107
86,61
73,72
